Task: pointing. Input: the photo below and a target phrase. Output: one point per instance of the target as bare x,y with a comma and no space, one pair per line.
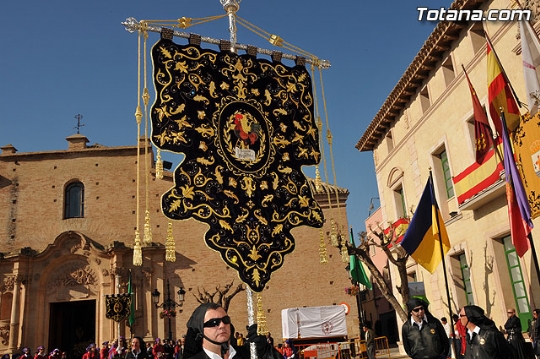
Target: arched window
74,200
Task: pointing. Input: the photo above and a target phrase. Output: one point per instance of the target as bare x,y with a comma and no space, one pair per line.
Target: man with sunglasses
423,335
210,336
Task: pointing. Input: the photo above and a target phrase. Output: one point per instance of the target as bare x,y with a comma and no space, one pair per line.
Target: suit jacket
142,355
489,343
429,343
241,353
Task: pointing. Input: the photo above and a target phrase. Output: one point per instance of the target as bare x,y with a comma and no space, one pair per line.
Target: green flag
357,269
131,318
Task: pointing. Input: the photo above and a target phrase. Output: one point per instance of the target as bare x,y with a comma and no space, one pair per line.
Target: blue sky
60,58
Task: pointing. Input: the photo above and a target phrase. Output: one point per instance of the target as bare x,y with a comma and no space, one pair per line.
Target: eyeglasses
418,309
214,322
510,312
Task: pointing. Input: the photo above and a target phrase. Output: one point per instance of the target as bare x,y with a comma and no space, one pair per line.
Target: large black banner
246,127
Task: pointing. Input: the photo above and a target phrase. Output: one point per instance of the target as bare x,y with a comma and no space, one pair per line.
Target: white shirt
475,330
420,325
213,355
447,329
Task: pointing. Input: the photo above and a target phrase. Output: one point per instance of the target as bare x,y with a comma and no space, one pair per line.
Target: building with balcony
426,124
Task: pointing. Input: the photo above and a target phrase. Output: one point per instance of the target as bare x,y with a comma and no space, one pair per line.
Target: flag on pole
530,53
426,231
482,131
499,93
519,211
357,269
131,318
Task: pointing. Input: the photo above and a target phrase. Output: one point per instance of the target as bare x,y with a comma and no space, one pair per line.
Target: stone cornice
437,43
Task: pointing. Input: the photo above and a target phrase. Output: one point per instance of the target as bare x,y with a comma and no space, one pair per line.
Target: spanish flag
499,93
426,231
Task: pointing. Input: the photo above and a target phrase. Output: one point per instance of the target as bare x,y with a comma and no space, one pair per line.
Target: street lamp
169,304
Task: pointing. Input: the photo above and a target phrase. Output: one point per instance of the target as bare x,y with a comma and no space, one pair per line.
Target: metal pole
170,329
443,261
133,25
251,320
231,7
360,310
170,306
117,291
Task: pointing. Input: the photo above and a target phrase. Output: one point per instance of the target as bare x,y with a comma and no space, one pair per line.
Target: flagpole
358,298
535,257
442,257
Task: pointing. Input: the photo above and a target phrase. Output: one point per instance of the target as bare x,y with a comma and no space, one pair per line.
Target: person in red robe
91,352
104,352
460,337
55,354
40,353
158,349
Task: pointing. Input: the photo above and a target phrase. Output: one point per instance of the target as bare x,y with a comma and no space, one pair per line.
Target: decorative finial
318,182
131,24
137,250
79,124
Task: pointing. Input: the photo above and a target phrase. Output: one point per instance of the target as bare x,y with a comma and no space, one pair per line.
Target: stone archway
74,278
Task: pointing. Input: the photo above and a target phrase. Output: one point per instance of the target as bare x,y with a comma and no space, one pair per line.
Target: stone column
15,313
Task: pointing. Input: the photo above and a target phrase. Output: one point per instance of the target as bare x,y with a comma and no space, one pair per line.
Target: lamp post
169,304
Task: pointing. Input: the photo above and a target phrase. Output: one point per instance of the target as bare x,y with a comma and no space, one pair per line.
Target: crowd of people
472,336
39,354
210,336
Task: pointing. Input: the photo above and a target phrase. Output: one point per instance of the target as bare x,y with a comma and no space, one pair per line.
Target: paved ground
394,354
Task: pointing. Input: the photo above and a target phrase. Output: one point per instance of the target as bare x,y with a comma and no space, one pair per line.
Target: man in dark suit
138,349
423,335
210,332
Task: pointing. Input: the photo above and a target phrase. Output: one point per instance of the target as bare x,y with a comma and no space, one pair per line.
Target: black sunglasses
214,322
417,309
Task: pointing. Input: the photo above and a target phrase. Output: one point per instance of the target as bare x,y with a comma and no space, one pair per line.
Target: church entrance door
72,327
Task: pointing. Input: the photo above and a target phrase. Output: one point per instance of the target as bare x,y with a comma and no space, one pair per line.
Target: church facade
67,232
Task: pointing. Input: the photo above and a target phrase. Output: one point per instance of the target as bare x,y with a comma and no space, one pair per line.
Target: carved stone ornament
534,5
72,274
4,334
9,283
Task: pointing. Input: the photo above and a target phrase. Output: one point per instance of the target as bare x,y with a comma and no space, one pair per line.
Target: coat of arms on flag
117,306
526,142
245,126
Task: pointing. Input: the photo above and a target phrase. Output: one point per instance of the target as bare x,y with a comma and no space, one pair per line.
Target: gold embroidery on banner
246,127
